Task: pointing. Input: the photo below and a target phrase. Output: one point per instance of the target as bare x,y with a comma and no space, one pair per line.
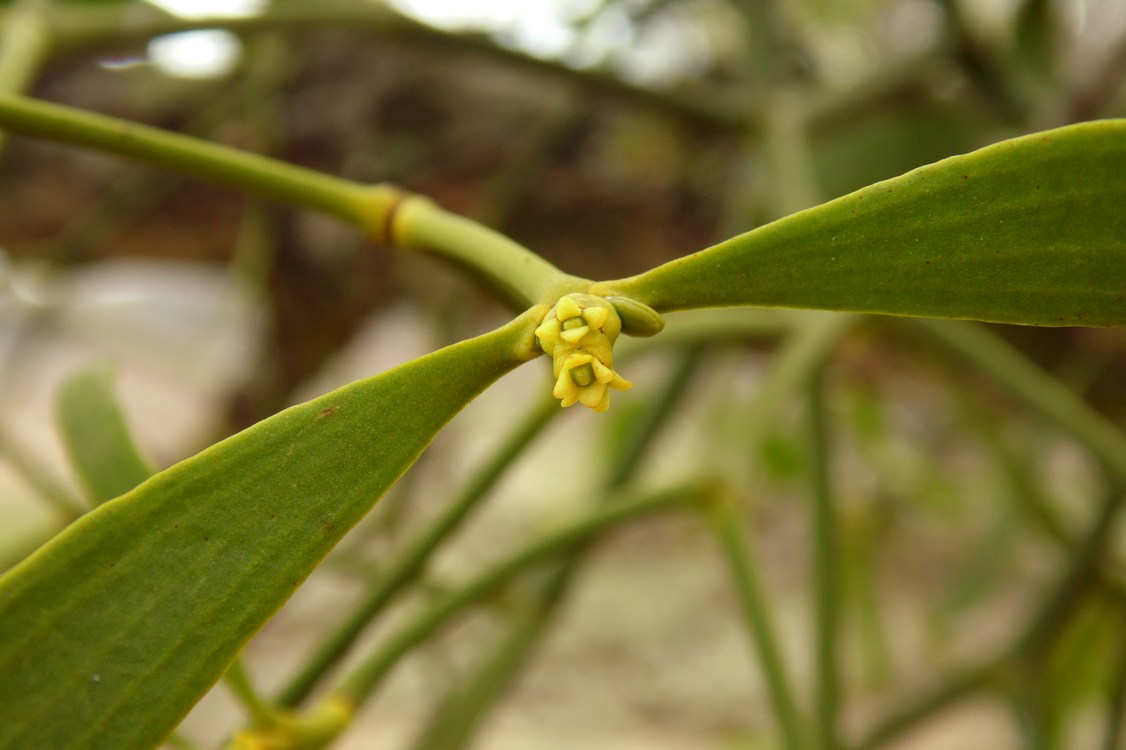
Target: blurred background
608,136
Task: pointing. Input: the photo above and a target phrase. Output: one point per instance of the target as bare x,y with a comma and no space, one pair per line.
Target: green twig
861,569
455,722
1029,653
1034,641
949,693
409,563
1044,393
466,708
652,422
756,613
237,679
980,65
178,741
364,206
383,212
360,683
1057,609
1116,692
25,40
82,25
68,506
826,568
521,277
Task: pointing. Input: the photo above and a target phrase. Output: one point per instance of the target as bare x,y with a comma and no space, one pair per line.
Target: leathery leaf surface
112,631
1030,230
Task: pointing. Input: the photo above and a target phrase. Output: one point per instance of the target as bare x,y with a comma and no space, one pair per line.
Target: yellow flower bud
578,334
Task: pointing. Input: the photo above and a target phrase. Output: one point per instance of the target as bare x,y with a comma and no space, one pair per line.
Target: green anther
572,323
583,375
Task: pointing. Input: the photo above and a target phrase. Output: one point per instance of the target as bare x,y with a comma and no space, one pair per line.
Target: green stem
861,571
802,353
413,559
756,613
239,682
360,683
652,422
80,25
381,211
465,709
1030,652
1058,608
1027,647
178,741
25,40
951,692
454,724
826,568
522,277
1116,693
980,65
68,506
364,206
1040,390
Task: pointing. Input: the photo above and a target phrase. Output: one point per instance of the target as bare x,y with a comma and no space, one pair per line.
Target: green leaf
96,436
1030,230
112,631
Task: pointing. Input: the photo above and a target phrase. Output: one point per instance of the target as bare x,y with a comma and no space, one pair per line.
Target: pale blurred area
217,311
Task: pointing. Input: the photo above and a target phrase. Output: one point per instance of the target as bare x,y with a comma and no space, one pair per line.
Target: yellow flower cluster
578,334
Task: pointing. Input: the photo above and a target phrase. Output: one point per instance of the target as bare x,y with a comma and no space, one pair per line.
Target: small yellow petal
549,328
565,388
576,359
567,308
593,394
602,373
620,383
604,404
574,335
595,316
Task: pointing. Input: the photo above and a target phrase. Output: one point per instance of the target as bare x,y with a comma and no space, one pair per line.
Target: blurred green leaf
1030,230
112,631
96,436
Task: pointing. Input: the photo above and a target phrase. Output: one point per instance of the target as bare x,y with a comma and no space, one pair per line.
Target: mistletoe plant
99,629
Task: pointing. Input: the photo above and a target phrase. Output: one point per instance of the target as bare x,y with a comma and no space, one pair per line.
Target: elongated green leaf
113,630
96,436
1030,230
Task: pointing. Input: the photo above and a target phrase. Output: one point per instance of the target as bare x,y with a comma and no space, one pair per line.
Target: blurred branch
951,692
1116,693
1026,649
1030,652
383,212
68,506
25,40
360,683
758,620
466,707
1043,392
981,66
81,26
826,568
1093,100
412,559
201,159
